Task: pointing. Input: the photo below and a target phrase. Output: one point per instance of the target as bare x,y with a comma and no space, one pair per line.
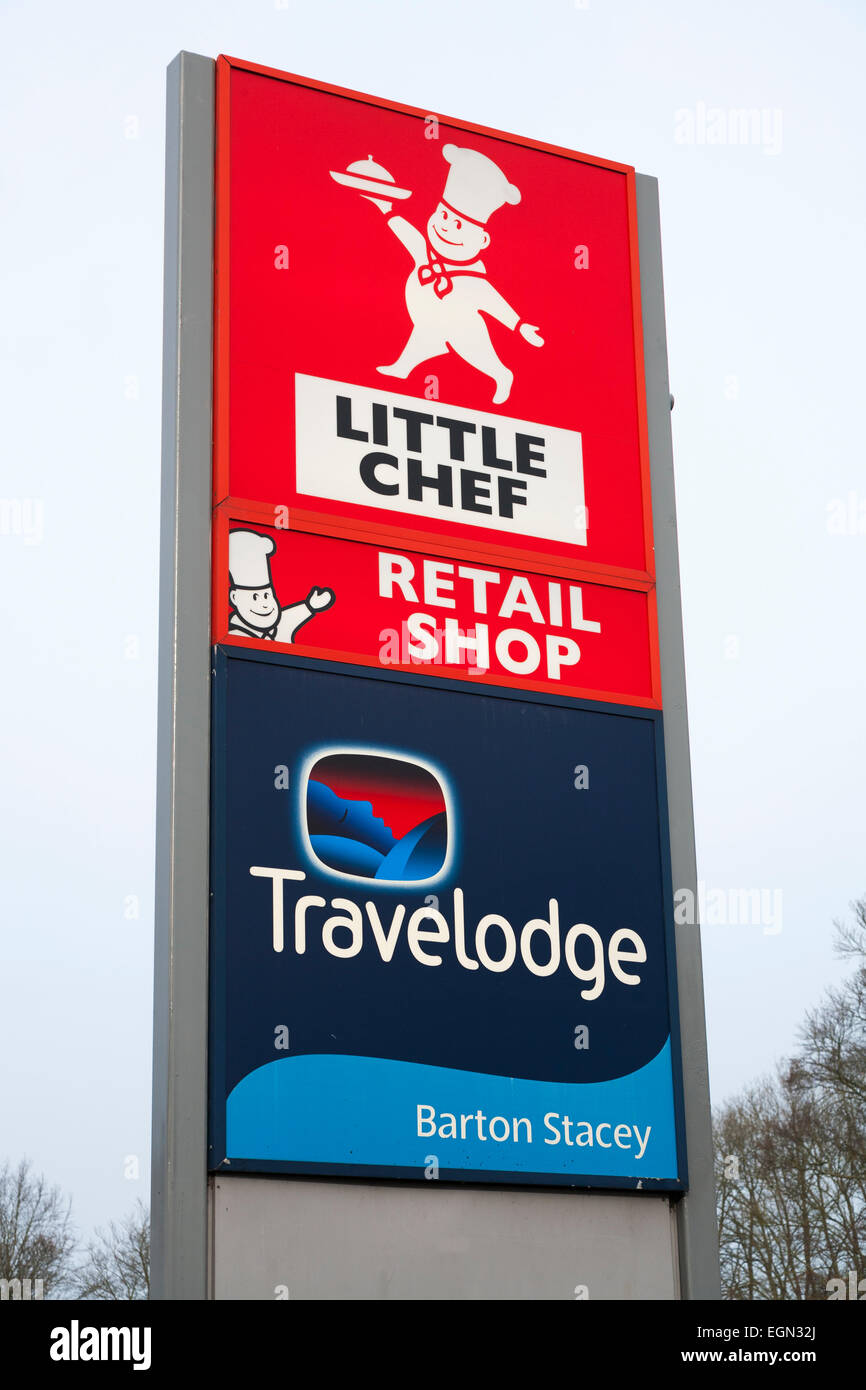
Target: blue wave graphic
364,1110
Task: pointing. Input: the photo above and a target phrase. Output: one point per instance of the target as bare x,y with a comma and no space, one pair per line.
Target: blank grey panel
305,1239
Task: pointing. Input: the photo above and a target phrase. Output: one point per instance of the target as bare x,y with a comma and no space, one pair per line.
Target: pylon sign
441,926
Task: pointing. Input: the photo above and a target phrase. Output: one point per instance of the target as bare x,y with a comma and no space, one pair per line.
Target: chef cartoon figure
448,292
256,611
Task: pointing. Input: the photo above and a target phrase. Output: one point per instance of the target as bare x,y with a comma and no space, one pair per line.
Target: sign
424,324
414,908
439,852
402,609
439,934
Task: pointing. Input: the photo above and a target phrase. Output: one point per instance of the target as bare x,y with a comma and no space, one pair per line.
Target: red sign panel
398,608
427,328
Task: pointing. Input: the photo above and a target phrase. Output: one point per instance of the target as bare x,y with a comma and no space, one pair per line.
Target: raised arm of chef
292,619
411,238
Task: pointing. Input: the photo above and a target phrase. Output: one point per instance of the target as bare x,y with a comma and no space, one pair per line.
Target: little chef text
427,458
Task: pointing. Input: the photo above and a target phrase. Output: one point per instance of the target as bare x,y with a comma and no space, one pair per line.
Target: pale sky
765,299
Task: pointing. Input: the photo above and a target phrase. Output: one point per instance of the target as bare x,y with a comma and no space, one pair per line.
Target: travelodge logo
372,815
380,818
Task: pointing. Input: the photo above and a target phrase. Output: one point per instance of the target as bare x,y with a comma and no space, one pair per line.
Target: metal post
698,1242
179,1176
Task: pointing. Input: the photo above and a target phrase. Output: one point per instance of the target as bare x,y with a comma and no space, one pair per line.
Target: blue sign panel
441,932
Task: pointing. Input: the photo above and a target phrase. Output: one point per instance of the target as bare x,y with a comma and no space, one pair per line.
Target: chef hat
475,186
249,565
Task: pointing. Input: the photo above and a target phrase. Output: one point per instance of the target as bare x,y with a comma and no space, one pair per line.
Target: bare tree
791,1154
117,1262
36,1236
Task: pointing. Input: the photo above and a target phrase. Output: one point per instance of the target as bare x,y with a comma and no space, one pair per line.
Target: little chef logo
447,292
255,609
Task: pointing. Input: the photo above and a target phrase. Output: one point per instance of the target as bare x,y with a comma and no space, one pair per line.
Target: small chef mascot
448,291
256,611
